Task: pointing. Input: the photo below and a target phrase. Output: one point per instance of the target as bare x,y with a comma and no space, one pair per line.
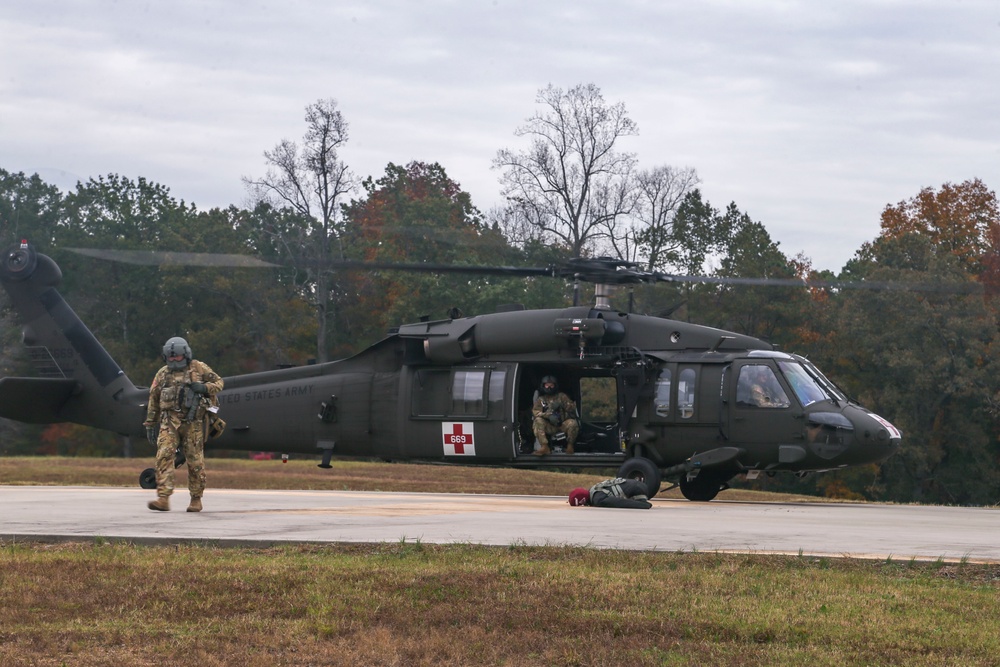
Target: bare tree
571,183
655,236
312,181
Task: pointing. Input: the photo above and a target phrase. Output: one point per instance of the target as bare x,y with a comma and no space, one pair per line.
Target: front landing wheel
642,470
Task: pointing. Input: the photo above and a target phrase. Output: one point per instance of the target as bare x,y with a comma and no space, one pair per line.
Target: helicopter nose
883,437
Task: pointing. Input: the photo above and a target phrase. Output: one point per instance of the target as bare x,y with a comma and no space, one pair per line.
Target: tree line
921,357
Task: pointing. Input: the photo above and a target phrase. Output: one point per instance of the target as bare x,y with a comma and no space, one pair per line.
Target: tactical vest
612,487
176,395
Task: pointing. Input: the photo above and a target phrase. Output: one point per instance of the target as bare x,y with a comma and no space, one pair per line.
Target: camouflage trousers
190,436
543,428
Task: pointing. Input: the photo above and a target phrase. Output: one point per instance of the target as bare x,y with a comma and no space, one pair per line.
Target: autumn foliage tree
417,214
960,220
927,357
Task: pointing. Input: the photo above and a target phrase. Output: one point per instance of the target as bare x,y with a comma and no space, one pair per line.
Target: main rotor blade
603,270
879,285
161,258
421,267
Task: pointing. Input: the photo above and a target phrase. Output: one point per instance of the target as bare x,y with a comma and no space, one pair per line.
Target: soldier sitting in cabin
553,412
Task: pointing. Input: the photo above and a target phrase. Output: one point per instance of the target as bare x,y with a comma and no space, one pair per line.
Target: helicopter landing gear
704,486
147,478
642,470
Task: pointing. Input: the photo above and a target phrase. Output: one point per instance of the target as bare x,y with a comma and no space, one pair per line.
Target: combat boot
569,449
542,451
195,505
161,504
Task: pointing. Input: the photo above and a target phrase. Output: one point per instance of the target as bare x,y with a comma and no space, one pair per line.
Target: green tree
123,304
747,251
926,361
29,209
237,319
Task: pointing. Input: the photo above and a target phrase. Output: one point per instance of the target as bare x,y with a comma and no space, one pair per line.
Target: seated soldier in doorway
553,412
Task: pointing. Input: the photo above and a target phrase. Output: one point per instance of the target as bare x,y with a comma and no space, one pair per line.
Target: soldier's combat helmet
549,385
176,347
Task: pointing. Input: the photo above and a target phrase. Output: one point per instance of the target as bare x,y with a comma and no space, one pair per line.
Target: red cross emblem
456,440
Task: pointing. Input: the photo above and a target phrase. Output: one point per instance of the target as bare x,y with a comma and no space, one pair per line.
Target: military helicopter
690,405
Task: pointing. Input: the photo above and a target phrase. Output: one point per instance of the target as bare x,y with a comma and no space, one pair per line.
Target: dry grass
105,603
415,604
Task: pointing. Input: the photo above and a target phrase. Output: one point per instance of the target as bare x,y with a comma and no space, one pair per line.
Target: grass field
101,603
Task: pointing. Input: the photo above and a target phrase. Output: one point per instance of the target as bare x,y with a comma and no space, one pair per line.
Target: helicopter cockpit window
662,400
467,393
758,387
806,388
685,393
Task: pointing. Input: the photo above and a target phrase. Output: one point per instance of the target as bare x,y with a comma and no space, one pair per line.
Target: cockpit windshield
808,383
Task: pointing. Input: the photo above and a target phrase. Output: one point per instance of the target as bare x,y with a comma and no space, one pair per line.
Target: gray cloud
811,117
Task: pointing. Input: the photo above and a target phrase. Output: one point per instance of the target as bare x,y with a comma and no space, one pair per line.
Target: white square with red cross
459,438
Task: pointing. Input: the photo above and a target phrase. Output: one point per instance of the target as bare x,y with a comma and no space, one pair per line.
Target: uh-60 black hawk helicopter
684,404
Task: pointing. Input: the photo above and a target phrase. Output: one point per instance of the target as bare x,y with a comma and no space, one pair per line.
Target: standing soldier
553,412
179,398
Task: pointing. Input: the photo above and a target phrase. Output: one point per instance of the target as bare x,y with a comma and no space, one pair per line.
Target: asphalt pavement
239,517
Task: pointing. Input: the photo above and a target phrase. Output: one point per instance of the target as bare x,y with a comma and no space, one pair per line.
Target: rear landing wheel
147,478
704,487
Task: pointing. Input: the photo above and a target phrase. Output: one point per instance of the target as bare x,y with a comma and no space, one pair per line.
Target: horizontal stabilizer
34,400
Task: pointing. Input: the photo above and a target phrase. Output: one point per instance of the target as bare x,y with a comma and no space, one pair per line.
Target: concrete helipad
273,517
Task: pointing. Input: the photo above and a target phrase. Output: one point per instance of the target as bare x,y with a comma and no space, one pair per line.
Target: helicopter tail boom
34,400
78,381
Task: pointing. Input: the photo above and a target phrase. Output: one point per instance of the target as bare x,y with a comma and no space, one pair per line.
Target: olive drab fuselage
655,396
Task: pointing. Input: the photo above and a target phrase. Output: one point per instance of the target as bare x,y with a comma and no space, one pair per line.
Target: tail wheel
147,478
642,470
704,486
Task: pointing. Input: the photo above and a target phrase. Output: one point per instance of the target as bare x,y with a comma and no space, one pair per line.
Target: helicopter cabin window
430,392
758,387
467,393
685,393
497,381
662,400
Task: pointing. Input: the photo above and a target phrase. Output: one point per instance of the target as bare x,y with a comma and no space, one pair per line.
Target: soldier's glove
152,433
199,388
554,420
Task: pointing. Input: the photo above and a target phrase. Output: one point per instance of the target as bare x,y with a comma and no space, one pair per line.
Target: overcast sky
810,115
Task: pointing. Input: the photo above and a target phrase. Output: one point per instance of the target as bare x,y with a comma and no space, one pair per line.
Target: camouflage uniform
619,492
564,408
166,408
